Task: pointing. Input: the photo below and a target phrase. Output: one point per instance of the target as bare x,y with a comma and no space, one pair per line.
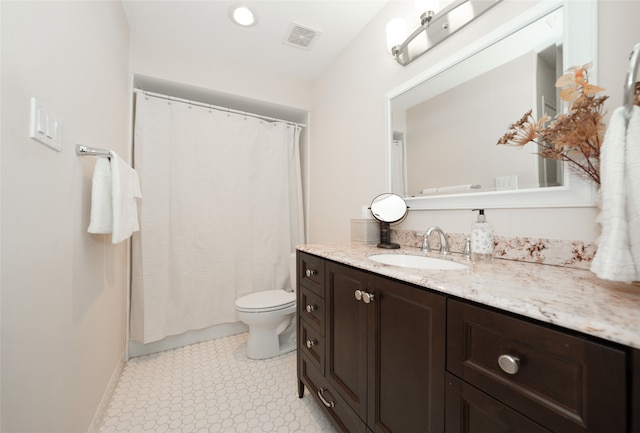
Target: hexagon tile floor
212,387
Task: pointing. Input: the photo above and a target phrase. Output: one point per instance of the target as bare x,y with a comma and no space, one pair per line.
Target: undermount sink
417,262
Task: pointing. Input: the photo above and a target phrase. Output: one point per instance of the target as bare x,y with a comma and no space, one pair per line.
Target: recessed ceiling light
243,16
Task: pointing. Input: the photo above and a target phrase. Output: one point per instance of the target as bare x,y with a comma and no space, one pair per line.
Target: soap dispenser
481,238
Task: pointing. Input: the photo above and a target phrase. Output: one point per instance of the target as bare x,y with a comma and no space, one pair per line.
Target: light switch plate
45,126
506,183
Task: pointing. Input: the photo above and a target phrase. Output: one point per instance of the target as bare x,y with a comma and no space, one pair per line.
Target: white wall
163,59
348,135
63,290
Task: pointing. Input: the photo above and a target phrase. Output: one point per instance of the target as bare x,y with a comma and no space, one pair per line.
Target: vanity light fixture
439,19
243,15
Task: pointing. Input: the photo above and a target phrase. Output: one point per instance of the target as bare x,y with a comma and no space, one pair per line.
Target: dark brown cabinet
372,351
472,411
635,391
561,382
384,354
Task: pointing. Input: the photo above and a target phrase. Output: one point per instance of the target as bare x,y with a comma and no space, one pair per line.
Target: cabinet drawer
563,382
311,273
340,413
312,309
472,411
312,345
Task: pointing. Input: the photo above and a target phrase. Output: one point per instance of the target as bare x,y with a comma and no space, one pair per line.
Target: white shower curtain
222,211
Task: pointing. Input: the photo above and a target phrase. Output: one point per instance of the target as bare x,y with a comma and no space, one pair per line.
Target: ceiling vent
301,37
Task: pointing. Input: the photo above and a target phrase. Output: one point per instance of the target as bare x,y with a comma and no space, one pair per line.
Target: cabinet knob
363,296
324,400
310,308
310,344
367,297
509,363
311,272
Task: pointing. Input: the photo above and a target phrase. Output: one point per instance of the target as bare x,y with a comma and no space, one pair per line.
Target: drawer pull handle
324,401
509,363
310,344
310,273
310,308
358,294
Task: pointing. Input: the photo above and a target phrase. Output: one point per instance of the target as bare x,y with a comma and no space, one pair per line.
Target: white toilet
271,318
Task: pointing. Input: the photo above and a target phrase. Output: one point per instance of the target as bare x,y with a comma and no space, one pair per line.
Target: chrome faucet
444,245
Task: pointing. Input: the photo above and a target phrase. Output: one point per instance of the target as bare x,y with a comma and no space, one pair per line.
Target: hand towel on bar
632,175
101,220
613,259
125,190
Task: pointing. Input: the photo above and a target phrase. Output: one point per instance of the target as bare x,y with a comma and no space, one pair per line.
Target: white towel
101,220
613,260
125,190
632,175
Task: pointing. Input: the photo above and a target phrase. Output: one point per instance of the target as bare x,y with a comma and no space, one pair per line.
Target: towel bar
91,151
629,85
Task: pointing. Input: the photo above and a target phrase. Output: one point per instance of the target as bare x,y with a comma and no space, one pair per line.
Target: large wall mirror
443,125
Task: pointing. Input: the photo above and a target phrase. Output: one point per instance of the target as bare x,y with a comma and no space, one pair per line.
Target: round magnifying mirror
388,208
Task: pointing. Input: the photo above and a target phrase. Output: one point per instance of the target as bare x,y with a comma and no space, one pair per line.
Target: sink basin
417,262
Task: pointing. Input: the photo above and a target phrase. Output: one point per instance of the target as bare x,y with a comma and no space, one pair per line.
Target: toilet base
264,343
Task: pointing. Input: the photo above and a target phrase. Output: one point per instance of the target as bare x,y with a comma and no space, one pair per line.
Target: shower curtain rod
215,107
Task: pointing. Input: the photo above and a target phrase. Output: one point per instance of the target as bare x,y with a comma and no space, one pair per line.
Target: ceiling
205,25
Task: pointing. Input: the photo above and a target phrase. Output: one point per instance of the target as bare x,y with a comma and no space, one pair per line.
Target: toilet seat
268,300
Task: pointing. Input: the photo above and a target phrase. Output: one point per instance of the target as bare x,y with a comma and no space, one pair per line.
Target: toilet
270,315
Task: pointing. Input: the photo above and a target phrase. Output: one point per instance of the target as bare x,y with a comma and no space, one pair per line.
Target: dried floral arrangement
574,137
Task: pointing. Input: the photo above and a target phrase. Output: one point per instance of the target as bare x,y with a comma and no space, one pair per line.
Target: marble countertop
571,298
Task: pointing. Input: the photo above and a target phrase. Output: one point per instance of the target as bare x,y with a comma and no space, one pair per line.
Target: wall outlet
45,126
504,183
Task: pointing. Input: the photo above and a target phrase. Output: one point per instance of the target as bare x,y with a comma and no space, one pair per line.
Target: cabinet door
472,411
407,359
346,335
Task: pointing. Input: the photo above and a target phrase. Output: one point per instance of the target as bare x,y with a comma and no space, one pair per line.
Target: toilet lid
268,299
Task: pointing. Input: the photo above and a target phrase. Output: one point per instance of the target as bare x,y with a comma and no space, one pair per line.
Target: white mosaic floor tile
212,387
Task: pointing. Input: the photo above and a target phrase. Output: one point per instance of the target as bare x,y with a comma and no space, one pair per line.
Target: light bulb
460,16
396,32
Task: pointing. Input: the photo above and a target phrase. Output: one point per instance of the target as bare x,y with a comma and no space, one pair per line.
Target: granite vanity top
571,298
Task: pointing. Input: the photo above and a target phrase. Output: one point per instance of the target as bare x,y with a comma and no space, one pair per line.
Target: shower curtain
222,211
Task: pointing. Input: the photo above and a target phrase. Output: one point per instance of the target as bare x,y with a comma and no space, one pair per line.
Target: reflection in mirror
388,208
446,128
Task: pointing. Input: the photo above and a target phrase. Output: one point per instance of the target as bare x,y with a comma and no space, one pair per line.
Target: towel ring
631,89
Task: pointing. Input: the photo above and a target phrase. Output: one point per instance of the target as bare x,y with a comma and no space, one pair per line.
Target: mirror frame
580,47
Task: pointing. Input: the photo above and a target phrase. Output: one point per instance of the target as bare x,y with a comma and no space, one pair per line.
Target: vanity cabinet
635,391
386,356
383,352
510,374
